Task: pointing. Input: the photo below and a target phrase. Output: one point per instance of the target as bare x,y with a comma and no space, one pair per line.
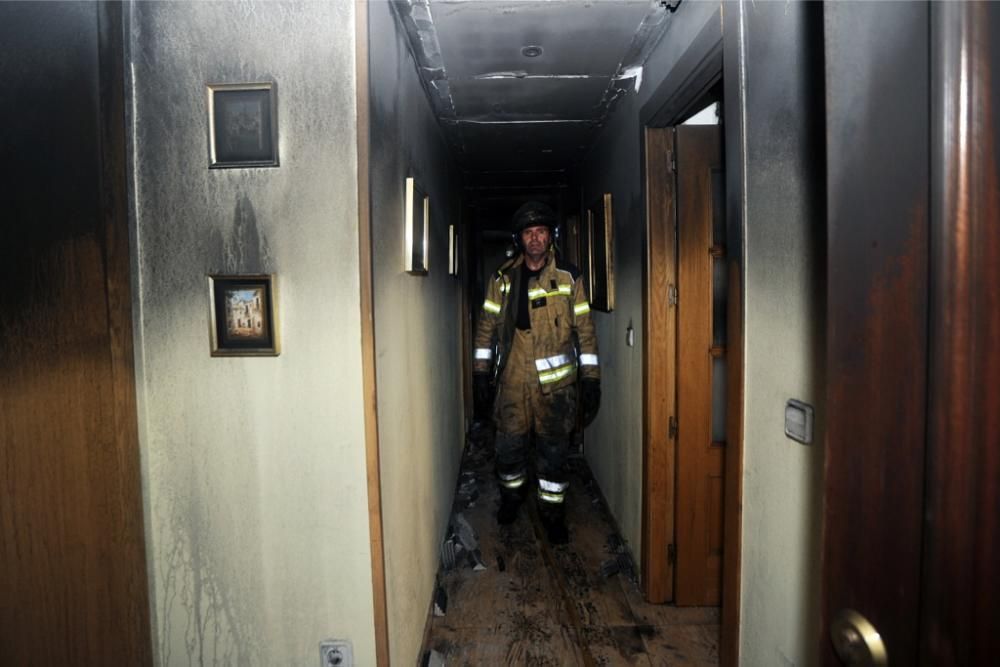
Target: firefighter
536,316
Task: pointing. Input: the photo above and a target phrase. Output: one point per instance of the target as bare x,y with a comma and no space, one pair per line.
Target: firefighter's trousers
521,407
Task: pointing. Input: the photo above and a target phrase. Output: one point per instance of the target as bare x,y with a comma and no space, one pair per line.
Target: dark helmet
533,214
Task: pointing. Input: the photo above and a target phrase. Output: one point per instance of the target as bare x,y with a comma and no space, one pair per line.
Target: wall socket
335,653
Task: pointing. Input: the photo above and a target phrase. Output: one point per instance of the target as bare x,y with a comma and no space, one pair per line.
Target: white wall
417,336
253,468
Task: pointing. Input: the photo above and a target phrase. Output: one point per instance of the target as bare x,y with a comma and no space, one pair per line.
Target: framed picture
417,221
242,125
452,250
243,316
599,255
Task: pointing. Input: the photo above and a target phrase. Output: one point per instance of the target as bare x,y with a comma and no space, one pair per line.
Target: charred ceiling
524,85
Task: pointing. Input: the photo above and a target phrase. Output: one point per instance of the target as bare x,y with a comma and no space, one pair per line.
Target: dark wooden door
911,520
73,586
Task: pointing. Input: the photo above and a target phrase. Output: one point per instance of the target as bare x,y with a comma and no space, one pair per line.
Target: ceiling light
531,51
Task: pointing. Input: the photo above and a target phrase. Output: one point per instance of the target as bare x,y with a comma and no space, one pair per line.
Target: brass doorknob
856,640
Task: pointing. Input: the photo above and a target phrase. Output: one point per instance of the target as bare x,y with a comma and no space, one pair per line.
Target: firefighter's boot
510,504
553,516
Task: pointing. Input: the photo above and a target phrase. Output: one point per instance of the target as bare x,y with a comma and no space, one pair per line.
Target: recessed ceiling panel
535,146
483,36
503,110
529,99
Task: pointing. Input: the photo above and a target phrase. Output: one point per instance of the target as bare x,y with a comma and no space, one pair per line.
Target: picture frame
600,253
453,250
242,125
416,225
243,315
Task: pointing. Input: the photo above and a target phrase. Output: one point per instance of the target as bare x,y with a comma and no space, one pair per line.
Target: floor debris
461,545
621,561
440,601
432,659
516,611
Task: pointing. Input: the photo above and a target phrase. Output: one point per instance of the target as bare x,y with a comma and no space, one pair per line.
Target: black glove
482,395
590,399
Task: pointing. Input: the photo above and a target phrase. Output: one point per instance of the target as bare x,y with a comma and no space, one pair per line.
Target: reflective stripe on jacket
561,323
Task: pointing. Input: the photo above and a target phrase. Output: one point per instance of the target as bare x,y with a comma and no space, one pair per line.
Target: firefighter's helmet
533,214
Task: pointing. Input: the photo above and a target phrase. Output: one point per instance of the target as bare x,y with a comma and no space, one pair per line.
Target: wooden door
911,527
700,452
659,367
684,444
73,586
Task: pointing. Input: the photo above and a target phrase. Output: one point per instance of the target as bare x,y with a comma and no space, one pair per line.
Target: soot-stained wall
775,169
417,334
254,468
774,89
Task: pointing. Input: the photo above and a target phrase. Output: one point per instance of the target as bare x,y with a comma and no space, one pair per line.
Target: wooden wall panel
72,565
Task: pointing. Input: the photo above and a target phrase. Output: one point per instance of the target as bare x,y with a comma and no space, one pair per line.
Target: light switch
799,421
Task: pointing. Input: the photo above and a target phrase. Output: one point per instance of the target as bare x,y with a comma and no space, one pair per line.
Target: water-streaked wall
253,468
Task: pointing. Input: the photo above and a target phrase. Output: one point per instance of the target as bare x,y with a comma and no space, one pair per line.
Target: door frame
697,70
368,369
911,415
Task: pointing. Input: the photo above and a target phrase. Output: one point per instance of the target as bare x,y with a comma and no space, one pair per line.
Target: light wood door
700,352
659,367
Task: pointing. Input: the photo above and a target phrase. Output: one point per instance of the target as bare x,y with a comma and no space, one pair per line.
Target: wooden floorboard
538,604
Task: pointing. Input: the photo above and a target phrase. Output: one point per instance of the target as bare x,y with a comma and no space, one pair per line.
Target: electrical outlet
335,653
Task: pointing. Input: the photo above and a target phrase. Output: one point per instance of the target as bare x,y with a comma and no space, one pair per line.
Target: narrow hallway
529,603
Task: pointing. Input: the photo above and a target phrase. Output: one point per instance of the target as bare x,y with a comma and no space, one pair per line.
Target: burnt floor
535,604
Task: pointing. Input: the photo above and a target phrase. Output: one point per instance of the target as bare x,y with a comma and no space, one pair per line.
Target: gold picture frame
417,219
243,315
242,125
599,253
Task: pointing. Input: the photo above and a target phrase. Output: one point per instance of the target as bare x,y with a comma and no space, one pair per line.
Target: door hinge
672,427
672,296
672,161
671,554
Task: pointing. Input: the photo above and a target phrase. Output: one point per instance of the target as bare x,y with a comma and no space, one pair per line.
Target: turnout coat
565,344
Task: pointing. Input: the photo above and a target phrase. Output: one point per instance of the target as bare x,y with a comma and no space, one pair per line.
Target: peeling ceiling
524,85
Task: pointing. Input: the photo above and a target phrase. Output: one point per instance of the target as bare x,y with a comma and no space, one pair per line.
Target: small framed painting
243,316
242,125
416,221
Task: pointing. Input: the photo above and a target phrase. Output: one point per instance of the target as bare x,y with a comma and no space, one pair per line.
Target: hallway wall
253,468
784,308
614,440
417,335
782,163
